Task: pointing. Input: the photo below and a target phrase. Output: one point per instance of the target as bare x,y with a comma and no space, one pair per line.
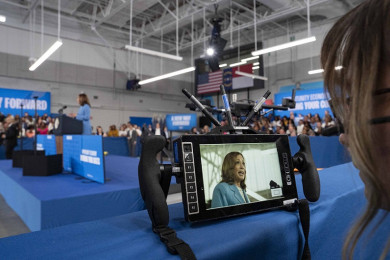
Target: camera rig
155,179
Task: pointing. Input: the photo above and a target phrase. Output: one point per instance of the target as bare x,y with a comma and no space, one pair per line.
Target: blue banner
12,99
47,143
180,122
140,121
307,101
83,155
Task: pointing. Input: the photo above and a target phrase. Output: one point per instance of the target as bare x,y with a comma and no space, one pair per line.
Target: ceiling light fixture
284,46
210,51
168,75
154,53
3,18
237,64
251,75
251,58
311,72
46,55
222,65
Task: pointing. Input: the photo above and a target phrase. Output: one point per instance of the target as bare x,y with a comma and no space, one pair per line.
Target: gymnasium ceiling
153,22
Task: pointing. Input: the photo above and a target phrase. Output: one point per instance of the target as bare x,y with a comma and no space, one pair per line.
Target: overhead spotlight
3,18
216,43
210,51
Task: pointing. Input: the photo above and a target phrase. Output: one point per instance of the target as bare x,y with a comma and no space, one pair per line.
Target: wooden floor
10,222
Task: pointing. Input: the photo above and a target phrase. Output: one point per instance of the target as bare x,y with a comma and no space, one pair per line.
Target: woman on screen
84,113
231,190
360,91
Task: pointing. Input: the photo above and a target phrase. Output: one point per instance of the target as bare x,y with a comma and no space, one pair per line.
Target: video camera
267,180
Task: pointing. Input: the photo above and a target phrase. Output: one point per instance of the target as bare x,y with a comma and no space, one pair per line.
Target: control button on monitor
190,177
187,148
193,207
189,167
284,155
192,197
188,157
191,187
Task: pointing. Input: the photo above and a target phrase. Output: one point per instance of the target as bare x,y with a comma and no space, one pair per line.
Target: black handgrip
303,161
149,176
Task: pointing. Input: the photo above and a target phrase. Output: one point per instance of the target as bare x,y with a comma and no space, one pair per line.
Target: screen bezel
289,191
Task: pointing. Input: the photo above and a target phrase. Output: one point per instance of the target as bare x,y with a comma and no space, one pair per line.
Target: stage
269,235
61,199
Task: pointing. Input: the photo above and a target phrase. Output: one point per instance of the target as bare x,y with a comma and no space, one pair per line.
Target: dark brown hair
83,99
358,43
228,169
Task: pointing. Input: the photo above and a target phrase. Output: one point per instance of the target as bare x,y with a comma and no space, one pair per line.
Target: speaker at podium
65,125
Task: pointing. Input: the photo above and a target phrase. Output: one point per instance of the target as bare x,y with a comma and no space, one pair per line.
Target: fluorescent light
168,75
315,71
255,67
256,64
338,67
237,63
251,75
251,58
223,65
46,55
2,19
284,46
154,53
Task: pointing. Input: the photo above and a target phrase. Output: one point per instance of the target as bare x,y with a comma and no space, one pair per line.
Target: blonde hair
358,43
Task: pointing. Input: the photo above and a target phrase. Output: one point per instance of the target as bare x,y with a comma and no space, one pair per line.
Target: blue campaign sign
47,143
180,122
12,99
307,101
83,155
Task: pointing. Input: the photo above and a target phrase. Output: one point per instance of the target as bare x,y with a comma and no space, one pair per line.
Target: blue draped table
269,235
61,199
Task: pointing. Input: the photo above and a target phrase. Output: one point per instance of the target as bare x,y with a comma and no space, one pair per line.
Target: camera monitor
227,175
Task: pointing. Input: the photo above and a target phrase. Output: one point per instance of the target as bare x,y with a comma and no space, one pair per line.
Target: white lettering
299,106
1,102
324,104
312,105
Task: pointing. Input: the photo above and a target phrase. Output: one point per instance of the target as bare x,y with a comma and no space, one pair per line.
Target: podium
65,125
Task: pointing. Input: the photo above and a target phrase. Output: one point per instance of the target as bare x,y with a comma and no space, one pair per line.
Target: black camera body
269,177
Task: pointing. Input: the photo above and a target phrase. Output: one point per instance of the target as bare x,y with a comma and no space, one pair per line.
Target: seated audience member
123,131
113,132
359,42
30,132
300,127
42,128
99,131
318,128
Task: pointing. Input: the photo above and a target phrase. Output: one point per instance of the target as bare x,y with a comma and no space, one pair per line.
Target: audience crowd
312,125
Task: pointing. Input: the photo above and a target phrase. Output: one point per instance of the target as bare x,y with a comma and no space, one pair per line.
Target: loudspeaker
18,156
42,165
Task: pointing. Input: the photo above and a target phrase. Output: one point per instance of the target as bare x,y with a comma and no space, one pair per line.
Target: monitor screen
255,164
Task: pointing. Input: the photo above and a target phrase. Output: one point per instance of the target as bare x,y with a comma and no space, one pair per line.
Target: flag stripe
212,84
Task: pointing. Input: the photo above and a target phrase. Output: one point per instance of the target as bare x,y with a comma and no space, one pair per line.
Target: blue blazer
83,115
227,195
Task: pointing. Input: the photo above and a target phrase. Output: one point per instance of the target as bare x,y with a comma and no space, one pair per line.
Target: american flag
210,82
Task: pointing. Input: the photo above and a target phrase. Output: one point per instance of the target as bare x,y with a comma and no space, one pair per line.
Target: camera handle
303,161
151,182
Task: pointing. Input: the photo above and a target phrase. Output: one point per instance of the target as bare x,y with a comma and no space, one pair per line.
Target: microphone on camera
256,107
201,107
227,106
